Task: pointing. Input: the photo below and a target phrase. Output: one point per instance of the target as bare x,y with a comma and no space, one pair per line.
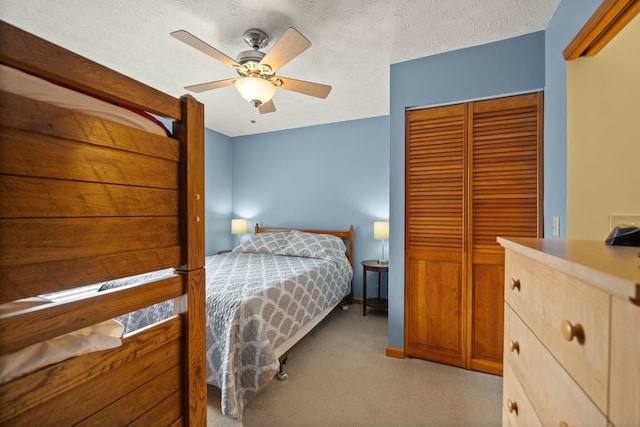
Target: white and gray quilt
255,301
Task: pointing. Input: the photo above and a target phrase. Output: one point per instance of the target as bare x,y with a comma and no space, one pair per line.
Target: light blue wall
279,178
569,17
506,67
326,177
218,191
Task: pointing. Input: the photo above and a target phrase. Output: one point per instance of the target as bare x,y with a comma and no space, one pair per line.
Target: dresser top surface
616,269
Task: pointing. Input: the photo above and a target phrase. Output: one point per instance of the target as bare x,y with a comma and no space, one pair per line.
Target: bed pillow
62,95
23,304
267,243
101,336
312,245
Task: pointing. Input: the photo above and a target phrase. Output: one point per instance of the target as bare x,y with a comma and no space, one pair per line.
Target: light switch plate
618,219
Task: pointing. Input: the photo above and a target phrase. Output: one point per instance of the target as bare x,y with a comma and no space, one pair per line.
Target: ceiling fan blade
307,88
193,41
211,85
268,107
290,45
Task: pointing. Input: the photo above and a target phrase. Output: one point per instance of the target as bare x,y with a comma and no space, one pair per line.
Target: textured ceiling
353,44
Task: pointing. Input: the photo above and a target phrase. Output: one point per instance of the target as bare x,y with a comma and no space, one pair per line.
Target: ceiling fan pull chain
253,114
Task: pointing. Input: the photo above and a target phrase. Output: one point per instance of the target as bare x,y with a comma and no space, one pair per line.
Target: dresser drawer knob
571,331
514,346
515,284
512,406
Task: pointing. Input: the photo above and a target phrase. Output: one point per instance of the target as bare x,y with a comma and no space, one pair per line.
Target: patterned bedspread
255,301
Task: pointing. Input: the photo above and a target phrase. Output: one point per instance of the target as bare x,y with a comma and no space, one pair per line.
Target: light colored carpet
339,376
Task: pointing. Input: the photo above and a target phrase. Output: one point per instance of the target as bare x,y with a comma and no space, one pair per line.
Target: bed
90,196
261,299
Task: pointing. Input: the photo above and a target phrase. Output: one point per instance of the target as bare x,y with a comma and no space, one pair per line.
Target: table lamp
238,226
381,232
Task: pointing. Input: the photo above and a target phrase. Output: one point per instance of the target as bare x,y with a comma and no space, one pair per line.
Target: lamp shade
255,90
238,226
381,230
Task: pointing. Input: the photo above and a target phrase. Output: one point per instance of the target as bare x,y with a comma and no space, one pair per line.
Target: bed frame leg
282,375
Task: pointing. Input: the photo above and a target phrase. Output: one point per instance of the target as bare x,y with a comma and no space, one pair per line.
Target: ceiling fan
257,70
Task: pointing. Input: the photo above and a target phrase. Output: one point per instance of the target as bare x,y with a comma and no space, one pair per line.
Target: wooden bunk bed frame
86,200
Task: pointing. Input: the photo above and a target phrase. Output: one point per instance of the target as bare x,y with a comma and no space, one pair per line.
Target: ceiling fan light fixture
255,90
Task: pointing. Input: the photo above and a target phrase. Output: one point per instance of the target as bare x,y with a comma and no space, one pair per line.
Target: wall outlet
556,226
617,220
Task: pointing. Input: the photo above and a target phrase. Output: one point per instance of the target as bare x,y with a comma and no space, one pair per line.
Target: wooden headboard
85,200
343,234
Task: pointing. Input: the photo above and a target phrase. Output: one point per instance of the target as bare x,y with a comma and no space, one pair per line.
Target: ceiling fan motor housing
255,38
249,56
250,59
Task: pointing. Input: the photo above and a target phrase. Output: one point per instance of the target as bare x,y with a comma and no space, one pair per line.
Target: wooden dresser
571,333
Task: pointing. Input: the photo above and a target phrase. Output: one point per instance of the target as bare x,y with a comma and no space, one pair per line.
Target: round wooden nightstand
379,303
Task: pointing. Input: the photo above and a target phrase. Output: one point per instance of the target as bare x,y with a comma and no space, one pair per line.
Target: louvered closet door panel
435,165
504,200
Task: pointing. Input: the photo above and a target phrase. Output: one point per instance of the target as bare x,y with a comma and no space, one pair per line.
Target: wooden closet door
473,172
504,199
434,243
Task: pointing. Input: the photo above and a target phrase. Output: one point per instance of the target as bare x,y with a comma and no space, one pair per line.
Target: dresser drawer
515,405
553,394
570,317
624,409
505,419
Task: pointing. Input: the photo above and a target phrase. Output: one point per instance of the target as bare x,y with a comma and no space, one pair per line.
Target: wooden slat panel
45,322
40,198
165,413
435,177
25,51
65,238
27,154
68,409
48,392
138,402
47,119
505,167
27,280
